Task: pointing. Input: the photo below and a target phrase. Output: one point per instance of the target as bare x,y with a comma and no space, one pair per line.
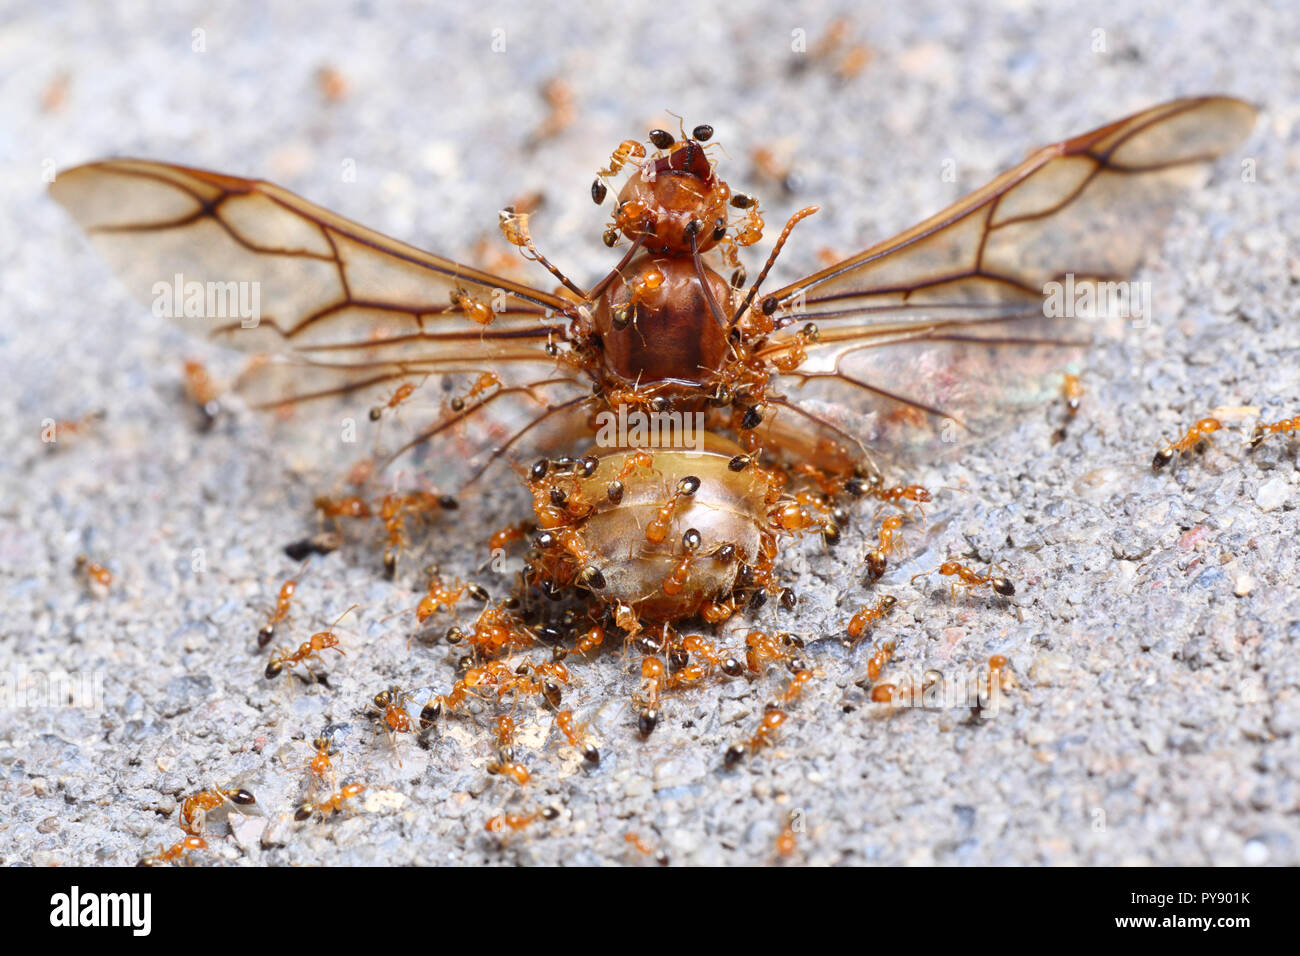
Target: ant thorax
655,324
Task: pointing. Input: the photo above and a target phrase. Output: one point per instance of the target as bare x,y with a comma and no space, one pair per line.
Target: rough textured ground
1155,632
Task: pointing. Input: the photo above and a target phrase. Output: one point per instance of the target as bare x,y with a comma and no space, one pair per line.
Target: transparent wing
950,327
340,311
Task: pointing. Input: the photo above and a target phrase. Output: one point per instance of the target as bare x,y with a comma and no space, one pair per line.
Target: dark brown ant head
676,199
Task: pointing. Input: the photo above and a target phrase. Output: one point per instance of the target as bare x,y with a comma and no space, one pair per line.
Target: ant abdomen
674,535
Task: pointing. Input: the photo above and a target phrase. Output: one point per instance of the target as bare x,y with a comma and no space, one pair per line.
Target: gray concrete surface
1154,635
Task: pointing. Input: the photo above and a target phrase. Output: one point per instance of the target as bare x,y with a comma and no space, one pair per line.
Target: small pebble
1272,493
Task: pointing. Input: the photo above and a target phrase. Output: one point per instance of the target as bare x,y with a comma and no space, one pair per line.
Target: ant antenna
771,260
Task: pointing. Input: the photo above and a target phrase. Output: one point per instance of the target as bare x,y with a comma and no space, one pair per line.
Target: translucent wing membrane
453,449
945,329
342,311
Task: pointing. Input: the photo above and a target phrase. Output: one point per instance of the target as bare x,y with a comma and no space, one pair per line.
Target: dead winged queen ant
942,323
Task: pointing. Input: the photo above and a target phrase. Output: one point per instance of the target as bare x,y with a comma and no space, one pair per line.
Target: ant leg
771,260
709,298
599,288
392,744
529,251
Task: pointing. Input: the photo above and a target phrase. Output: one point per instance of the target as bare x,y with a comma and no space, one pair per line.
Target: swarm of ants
659,549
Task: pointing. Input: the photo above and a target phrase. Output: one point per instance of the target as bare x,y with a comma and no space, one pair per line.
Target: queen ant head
676,200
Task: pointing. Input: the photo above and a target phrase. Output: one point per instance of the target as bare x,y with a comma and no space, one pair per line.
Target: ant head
676,200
